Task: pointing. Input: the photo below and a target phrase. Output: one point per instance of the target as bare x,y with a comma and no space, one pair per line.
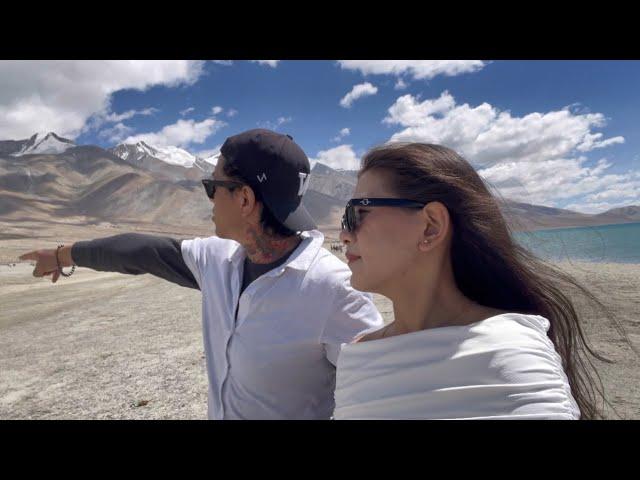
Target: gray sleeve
135,254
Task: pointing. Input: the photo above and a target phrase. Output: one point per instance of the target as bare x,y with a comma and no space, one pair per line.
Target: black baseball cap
274,165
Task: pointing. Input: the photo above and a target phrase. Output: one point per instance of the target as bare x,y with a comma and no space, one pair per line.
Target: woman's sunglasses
351,218
210,185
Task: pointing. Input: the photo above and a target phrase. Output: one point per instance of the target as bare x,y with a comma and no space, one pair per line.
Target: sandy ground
103,345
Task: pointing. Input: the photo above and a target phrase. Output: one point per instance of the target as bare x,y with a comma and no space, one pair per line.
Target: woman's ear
436,218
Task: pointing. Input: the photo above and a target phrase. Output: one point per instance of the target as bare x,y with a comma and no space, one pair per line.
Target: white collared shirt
276,359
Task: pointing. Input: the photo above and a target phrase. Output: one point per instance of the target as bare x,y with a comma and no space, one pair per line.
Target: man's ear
247,200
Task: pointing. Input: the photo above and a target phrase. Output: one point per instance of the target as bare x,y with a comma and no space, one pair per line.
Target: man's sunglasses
351,218
210,185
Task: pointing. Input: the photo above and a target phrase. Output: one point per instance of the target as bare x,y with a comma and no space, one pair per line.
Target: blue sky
556,133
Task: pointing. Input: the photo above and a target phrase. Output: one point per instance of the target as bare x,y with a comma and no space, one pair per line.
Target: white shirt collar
300,259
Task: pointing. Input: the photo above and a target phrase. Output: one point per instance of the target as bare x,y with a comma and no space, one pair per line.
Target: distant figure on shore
276,306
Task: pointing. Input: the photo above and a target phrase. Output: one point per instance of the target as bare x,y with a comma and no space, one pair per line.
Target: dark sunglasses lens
210,188
353,218
349,219
346,224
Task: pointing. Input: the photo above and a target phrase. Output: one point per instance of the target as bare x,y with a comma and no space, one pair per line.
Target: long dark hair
488,265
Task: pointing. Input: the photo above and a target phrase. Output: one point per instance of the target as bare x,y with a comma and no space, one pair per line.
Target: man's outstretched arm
130,253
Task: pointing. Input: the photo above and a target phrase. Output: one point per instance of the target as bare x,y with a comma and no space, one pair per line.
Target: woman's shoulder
512,331
494,324
517,341
506,321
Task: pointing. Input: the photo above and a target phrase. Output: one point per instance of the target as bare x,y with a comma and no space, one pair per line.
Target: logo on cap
304,183
262,178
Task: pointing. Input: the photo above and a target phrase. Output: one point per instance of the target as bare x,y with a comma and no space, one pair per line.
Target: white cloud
625,189
61,96
116,133
275,125
408,111
180,134
186,111
341,157
547,182
232,112
216,110
592,141
488,136
270,63
226,63
400,85
417,69
115,117
345,132
96,121
534,158
358,91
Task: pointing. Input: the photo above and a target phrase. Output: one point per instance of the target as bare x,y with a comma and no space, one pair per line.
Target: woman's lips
351,258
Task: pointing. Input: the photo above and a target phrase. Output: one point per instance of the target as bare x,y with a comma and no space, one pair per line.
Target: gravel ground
103,345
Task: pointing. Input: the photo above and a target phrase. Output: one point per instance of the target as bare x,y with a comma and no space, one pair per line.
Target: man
276,306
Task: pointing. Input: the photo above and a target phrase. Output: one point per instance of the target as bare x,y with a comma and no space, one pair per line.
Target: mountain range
48,176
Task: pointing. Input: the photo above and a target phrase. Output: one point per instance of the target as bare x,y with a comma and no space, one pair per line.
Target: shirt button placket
227,349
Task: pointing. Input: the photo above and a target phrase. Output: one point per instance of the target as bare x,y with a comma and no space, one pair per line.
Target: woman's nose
346,237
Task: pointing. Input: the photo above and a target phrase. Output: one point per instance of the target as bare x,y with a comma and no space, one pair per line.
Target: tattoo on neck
263,248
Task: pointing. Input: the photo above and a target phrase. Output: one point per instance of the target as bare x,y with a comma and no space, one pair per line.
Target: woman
481,328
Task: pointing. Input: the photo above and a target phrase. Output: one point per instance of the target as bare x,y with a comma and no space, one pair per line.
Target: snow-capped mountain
45,143
204,165
138,151
211,159
40,143
172,162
